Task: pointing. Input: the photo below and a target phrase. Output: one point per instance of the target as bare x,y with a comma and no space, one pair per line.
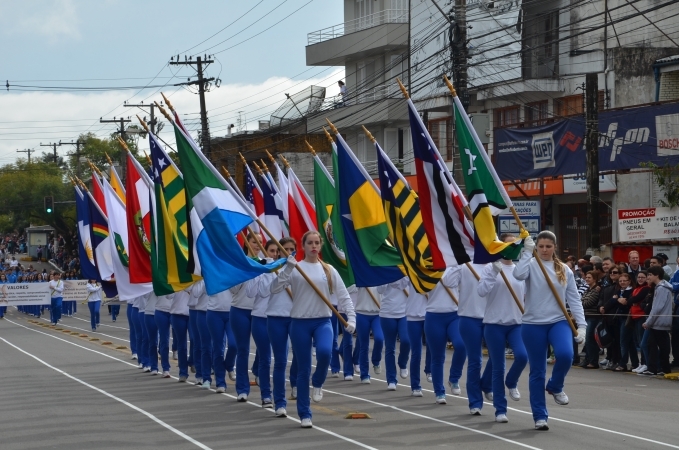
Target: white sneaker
174,355
417,393
641,369
489,396
357,368
198,383
306,423
242,397
391,387
183,379
475,411
501,418
140,366
232,376
147,369
348,378
441,399
314,352
317,395
220,390
365,380
334,375
455,388
377,369
541,425
514,394
603,362
166,374
293,393
429,377
281,412
266,403
560,397
551,360
154,372
206,385
404,373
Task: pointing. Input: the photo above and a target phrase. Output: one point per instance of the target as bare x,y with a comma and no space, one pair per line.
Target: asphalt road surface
62,390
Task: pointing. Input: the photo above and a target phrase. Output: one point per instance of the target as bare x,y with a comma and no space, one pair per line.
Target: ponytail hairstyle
326,268
559,267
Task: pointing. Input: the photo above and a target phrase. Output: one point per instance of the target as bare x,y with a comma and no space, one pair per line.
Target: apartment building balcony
365,36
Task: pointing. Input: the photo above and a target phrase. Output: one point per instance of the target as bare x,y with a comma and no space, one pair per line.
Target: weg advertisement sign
626,138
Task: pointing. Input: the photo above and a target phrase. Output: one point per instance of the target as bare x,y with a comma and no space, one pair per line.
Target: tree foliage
667,178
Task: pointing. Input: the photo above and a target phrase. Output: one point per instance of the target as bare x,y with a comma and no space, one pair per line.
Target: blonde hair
559,267
326,268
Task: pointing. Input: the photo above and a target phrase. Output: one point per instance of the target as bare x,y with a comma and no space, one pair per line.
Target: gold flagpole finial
143,124
242,158
148,159
271,158
332,127
257,168
167,102
124,145
285,161
110,163
164,112
95,168
266,169
367,133
328,136
403,88
450,85
311,149
226,172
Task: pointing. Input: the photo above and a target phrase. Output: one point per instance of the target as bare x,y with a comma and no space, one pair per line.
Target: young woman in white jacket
311,318
94,302
502,324
544,323
393,322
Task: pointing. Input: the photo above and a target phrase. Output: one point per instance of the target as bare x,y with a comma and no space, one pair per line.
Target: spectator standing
628,348
659,324
638,316
590,300
659,261
674,281
633,265
343,92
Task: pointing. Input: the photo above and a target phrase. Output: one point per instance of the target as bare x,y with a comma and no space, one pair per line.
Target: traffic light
49,204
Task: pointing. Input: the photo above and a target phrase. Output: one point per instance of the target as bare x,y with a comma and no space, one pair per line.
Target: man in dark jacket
659,324
608,307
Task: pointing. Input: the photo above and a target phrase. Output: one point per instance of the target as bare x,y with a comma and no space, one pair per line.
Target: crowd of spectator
631,313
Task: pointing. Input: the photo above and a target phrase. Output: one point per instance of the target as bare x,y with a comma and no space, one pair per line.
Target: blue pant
439,328
196,344
133,331
217,323
260,334
67,308
152,339
241,325
205,359
365,323
415,333
180,325
163,324
628,344
94,313
347,347
279,331
471,332
537,338
391,328
334,358
55,309
302,332
639,334
496,337
3,310
115,311
142,340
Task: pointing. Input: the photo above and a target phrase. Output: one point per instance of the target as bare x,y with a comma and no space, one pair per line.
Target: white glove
351,327
529,244
290,264
580,338
497,266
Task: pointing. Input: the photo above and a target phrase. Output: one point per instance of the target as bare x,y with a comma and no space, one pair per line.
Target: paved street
60,390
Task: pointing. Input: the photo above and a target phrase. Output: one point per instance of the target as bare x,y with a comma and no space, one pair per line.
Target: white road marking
326,431
101,391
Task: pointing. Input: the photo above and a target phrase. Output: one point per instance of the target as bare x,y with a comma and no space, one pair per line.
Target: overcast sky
125,43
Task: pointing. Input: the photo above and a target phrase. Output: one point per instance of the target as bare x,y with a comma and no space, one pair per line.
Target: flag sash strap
484,155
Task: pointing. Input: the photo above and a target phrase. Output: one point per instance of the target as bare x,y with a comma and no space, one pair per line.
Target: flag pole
450,293
372,296
535,255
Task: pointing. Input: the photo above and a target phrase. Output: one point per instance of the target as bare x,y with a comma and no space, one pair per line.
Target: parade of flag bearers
364,279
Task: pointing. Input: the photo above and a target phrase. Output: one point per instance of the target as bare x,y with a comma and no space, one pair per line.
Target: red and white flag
301,211
138,189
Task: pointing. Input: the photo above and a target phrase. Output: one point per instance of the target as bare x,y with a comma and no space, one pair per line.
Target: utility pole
203,86
77,144
592,154
54,146
121,130
460,52
151,123
29,151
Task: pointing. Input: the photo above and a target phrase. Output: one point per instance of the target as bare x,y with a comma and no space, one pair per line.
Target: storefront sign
648,223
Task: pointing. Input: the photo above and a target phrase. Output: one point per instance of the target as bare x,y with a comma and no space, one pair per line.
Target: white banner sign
22,294
75,290
579,184
648,223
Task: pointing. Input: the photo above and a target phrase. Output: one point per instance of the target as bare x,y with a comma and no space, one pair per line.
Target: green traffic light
49,210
